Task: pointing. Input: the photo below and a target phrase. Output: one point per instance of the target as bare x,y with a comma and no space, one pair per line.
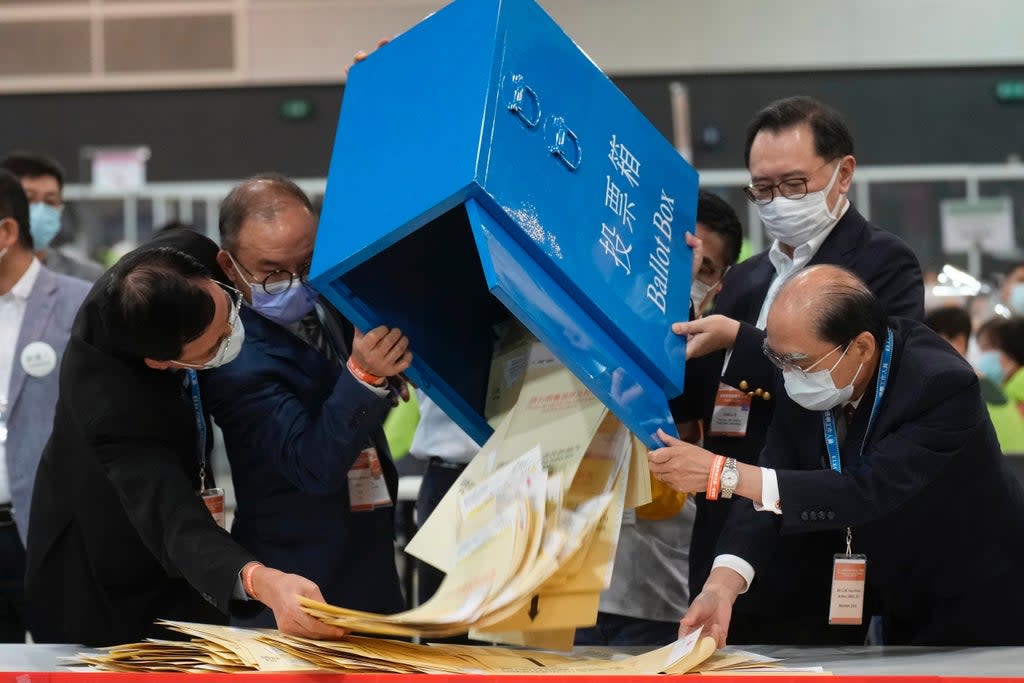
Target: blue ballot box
484,168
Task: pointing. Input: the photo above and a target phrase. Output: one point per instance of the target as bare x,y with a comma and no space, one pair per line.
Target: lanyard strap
831,440
197,408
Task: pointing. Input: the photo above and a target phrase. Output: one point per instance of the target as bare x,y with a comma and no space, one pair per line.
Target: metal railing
972,175
179,200
170,201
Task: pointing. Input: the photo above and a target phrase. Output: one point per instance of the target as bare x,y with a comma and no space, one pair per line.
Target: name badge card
846,606
367,488
214,501
732,410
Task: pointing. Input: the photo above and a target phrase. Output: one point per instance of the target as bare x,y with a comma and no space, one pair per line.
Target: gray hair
837,304
261,197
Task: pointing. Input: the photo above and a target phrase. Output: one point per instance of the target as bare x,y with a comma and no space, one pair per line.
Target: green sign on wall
1010,91
296,109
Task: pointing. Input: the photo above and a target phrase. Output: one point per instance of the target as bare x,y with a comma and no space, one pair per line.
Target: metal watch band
730,466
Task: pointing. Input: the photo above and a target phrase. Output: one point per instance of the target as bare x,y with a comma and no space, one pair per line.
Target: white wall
311,41
670,36
643,36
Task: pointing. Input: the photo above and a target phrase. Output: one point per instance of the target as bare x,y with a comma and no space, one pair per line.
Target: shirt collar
23,287
805,252
871,389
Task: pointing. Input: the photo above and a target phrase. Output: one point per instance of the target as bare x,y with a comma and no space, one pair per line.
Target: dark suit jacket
931,500
293,425
118,536
891,270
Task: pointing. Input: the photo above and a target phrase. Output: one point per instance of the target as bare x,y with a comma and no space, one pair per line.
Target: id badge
731,412
846,606
214,501
367,488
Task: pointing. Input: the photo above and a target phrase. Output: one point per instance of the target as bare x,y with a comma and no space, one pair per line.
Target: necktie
848,410
843,419
314,334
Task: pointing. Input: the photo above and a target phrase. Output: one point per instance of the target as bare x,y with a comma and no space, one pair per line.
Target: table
39,663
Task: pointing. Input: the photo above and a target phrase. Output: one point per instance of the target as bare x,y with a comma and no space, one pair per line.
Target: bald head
817,298
260,199
821,310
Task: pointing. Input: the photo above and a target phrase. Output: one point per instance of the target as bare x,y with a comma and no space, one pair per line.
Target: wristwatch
730,478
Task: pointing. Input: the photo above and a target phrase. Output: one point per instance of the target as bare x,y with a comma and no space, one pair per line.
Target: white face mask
817,390
228,349
226,352
698,293
797,221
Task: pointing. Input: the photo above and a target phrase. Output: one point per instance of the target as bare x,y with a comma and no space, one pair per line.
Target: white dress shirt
786,266
12,313
437,435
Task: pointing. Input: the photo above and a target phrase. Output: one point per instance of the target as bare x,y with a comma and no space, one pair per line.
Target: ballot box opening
432,286
459,286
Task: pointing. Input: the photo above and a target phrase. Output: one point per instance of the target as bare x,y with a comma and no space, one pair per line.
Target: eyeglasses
790,188
235,300
279,280
709,269
789,361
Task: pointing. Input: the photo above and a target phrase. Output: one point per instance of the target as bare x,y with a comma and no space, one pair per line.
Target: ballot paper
224,649
527,534
227,650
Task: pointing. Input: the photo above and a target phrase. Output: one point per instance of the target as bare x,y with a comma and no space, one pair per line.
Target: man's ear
8,232
847,166
865,344
225,263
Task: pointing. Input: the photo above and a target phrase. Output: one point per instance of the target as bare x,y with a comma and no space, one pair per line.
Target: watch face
730,478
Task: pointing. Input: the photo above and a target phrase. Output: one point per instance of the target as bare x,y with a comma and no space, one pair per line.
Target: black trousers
13,612
437,479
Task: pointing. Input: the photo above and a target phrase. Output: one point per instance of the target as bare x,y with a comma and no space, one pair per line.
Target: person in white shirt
43,181
37,308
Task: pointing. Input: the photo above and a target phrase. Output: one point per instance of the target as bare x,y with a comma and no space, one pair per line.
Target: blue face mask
287,306
44,224
1017,298
286,303
988,365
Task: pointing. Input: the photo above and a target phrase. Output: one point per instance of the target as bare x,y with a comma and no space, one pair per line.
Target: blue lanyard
197,407
831,441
